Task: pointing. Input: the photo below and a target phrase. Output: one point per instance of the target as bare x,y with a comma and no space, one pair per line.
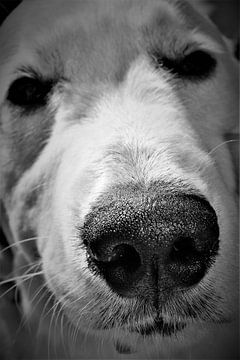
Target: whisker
21,277
221,144
24,321
75,334
55,304
8,290
50,298
30,265
60,313
52,321
19,243
63,325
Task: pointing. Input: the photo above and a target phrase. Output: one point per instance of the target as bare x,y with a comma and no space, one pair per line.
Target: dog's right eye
198,65
29,92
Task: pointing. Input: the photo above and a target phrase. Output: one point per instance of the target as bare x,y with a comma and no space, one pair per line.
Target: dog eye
29,92
196,65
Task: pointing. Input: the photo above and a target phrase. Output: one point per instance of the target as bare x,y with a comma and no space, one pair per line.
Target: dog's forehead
37,14
64,26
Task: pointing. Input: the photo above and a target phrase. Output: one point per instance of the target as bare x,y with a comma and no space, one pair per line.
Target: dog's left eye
196,65
29,92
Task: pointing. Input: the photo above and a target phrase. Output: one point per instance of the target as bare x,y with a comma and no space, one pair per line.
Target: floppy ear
221,14
232,136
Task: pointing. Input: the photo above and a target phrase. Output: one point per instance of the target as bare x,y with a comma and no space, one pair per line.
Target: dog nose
142,244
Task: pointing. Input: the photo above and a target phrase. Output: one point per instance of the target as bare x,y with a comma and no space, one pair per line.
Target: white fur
146,128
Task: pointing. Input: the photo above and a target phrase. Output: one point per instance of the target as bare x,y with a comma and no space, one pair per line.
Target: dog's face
112,116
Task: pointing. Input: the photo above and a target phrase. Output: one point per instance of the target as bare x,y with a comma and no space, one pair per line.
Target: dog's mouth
159,327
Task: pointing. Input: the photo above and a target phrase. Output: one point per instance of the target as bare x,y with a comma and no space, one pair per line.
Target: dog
118,187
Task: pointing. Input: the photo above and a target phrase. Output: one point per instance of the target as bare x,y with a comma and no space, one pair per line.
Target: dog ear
232,137
224,16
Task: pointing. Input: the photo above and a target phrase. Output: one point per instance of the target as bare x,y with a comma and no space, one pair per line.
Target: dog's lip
159,326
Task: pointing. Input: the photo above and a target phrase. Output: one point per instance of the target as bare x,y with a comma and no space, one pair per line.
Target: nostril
120,265
121,255
183,249
187,265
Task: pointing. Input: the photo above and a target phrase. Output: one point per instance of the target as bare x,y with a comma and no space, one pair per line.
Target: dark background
6,6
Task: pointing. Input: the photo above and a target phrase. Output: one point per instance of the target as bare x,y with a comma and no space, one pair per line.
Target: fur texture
114,116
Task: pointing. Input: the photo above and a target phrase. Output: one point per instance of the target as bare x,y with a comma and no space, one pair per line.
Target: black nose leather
143,242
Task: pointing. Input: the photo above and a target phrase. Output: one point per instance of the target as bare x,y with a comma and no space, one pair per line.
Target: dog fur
112,118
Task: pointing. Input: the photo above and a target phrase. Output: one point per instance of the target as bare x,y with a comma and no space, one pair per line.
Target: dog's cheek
62,264
65,279
24,138
224,273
